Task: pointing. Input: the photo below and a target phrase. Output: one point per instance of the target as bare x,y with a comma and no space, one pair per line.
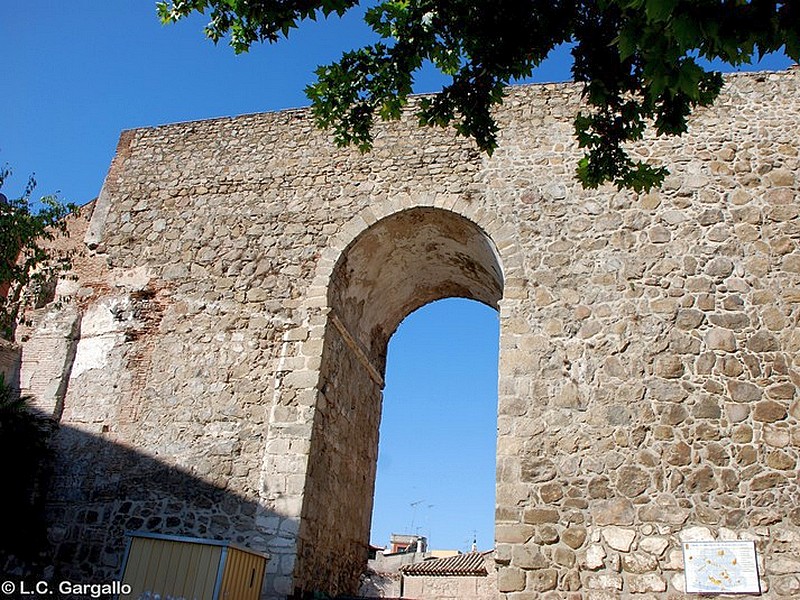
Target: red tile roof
472,563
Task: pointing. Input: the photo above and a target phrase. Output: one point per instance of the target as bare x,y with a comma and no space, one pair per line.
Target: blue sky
436,463
77,73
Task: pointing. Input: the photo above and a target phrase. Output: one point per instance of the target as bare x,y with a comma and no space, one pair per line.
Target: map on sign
721,567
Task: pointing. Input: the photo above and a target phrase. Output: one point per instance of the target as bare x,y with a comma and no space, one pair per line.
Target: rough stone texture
243,277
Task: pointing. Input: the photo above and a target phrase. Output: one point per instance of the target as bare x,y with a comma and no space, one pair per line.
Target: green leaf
627,44
659,10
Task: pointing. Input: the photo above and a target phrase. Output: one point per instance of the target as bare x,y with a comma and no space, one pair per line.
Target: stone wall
460,587
243,276
450,588
343,455
9,362
649,360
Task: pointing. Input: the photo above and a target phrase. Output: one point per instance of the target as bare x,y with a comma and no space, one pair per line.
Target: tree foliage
638,61
27,266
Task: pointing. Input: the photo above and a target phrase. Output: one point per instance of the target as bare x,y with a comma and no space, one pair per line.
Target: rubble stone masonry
218,372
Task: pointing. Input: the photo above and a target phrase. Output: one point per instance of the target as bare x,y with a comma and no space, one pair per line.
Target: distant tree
637,59
27,267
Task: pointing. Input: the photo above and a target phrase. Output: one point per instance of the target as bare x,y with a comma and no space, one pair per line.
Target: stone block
743,391
670,514
767,481
706,407
574,537
721,339
510,579
618,538
537,516
646,582
639,562
513,534
701,480
537,470
782,391
654,545
719,267
528,557
546,534
769,411
696,534
666,391
542,580
551,492
603,581
669,367
632,481
762,341
618,511
564,556
781,461
689,318
594,556
787,586
783,565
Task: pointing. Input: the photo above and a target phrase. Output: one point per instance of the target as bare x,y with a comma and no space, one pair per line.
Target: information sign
721,567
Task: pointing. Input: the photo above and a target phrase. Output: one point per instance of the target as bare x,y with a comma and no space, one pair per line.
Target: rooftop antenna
414,513
428,520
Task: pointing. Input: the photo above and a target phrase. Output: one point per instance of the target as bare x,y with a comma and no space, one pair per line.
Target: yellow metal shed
160,566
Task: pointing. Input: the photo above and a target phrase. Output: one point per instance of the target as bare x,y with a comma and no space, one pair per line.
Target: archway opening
438,432
391,269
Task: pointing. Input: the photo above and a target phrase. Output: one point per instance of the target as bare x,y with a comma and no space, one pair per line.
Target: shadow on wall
24,456
98,490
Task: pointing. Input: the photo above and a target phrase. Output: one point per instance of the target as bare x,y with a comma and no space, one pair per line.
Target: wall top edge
305,112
